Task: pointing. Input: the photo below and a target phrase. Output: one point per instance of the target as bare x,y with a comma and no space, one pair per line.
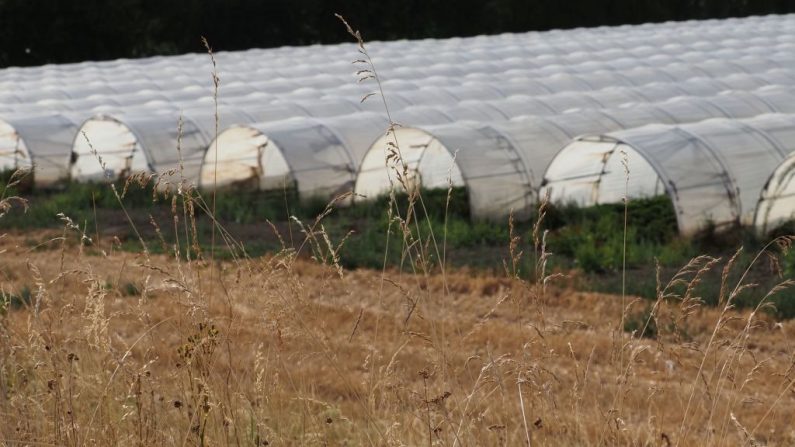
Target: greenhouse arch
14,153
40,142
488,165
129,144
106,149
715,171
319,157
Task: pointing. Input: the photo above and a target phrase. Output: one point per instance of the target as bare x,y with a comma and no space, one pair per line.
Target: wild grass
587,241
168,344
290,352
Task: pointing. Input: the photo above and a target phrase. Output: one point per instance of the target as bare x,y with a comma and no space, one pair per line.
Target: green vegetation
13,301
129,289
588,240
642,324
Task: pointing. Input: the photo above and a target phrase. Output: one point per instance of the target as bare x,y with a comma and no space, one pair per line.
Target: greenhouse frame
716,172
510,117
533,142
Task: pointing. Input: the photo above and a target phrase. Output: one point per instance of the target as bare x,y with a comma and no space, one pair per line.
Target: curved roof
493,171
112,146
713,170
537,140
556,85
319,156
777,199
537,54
37,141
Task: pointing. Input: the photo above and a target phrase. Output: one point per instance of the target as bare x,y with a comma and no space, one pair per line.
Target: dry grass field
104,347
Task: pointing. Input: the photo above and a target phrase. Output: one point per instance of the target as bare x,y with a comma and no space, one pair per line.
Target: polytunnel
777,200
34,95
536,140
146,140
55,106
742,54
423,96
517,105
79,105
318,157
552,104
476,91
80,91
317,108
39,141
714,171
166,68
493,171
132,143
605,50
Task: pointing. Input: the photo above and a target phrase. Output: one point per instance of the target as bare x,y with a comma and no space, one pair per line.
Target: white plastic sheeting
108,148
635,72
19,136
256,108
159,141
531,143
777,201
491,168
13,151
533,54
488,112
714,171
319,157
558,47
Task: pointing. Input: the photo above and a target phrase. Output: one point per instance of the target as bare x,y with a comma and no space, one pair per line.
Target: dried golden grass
292,349
279,360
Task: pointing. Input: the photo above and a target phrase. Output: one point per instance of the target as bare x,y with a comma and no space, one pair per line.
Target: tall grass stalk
107,346
216,83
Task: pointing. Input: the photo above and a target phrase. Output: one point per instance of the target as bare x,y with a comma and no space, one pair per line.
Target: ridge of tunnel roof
560,76
673,88
731,187
519,128
568,33
741,65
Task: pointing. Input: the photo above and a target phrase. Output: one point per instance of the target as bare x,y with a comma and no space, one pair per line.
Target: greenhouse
777,201
430,152
243,110
102,130
109,147
488,164
39,141
317,157
157,140
716,172
489,113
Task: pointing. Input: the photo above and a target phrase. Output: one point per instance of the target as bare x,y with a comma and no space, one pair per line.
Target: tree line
34,32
